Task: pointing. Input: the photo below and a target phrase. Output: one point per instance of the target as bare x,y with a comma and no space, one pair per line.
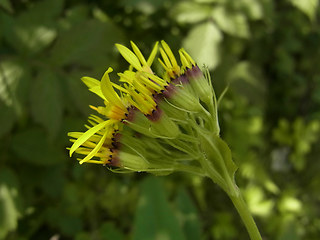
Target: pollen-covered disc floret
150,122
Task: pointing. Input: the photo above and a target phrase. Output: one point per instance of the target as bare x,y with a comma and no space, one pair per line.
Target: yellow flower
147,108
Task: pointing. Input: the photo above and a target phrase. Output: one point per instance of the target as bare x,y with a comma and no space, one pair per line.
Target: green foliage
203,43
9,210
299,137
154,218
309,7
187,215
265,51
46,103
32,145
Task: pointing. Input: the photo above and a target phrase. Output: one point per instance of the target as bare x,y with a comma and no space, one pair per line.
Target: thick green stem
245,214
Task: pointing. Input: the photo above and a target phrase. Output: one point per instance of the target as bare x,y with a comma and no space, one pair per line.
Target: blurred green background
267,51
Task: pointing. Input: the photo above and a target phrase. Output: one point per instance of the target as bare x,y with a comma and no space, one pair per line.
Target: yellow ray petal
108,91
138,53
169,53
93,85
96,149
119,87
165,58
183,60
153,54
187,56
97,90
85,136
90,82
128,55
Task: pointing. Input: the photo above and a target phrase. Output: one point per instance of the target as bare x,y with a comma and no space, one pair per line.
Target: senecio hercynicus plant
160,124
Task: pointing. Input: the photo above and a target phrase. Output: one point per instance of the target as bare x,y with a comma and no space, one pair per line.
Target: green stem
245,214
217,164
235,195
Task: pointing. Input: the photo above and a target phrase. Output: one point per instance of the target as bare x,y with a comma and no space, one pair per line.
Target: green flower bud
156,125
200,84
180,94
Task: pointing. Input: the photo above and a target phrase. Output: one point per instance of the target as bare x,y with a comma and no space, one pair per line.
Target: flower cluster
160,123
151,122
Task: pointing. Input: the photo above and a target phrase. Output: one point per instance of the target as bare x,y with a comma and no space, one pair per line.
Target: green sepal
221,167
133,161
173,112
143,154
184,99
202,88
163,127
141,124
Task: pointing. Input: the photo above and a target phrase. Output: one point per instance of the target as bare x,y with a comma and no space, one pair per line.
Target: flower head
150,122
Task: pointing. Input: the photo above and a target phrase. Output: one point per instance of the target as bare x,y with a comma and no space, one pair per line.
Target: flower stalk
245,214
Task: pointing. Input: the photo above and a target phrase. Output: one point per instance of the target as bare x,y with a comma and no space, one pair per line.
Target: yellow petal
93,85
187,56
165,58
90,82
183,60
169,53
138,53
97,90
128,55
85,136
163,65
108,91
153,54
119,87
96,149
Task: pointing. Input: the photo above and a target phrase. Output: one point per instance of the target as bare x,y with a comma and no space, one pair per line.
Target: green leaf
34,29
76,14
9,212
203,43
14,80
108,231
88,43
188,216
70,225
253,8
145,6
32,146
6,4
289,231
258,203
46,102
30,32
190,12
7,119
154,217
308,7
211,1
223,226
246,79
10,74
233,23
54,177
